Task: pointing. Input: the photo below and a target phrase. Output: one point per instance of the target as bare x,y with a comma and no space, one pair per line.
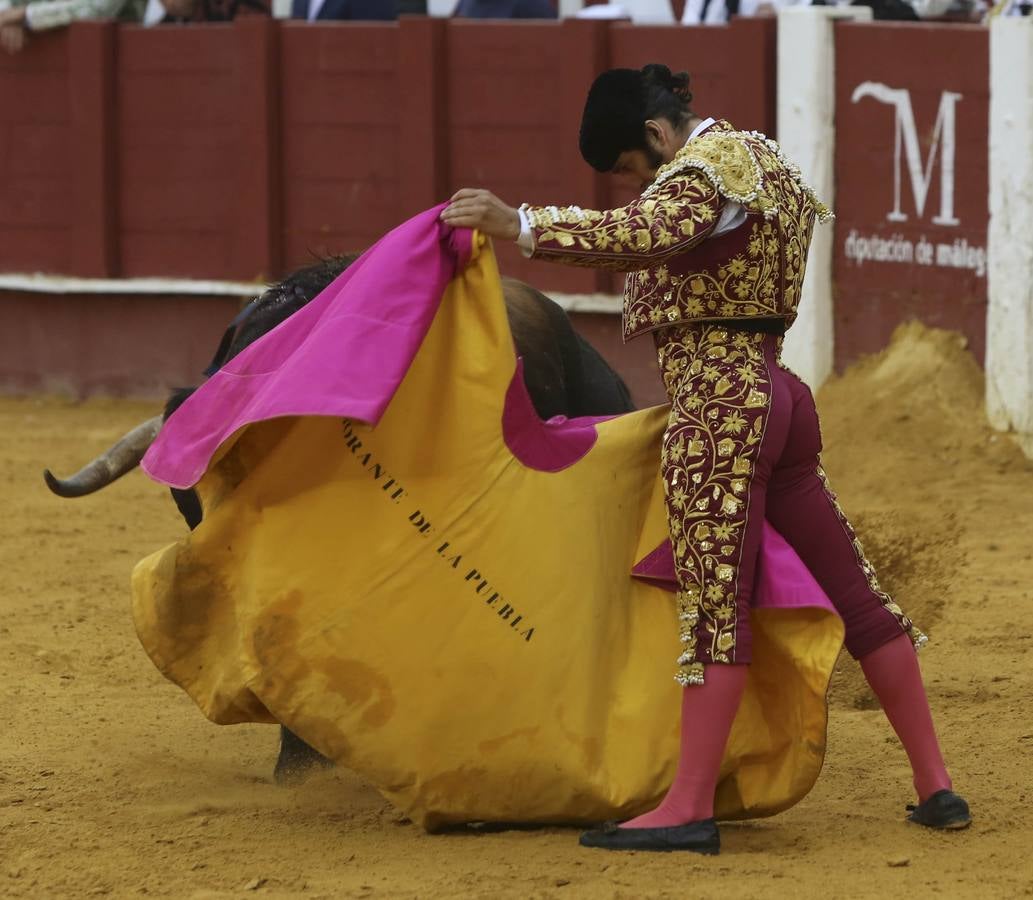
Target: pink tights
893,673
707,712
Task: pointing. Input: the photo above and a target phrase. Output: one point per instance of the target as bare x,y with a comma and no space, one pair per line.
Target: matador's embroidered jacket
677,275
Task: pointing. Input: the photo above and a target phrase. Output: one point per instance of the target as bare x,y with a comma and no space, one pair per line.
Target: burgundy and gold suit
743,440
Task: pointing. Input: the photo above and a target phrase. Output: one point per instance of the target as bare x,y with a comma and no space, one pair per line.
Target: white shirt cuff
526,240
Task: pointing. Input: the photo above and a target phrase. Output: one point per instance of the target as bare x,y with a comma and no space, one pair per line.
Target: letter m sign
906,139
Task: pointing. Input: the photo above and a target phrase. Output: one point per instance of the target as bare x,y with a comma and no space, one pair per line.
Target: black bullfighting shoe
698,837
944,810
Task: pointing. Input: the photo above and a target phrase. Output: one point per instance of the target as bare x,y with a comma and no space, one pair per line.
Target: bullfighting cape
402,564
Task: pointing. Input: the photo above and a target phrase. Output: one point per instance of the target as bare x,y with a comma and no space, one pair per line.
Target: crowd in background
20,18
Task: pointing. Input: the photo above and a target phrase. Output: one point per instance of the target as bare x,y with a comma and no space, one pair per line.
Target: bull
564,374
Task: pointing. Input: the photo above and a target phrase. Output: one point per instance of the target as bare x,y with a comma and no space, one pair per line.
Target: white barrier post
807,132
1009,320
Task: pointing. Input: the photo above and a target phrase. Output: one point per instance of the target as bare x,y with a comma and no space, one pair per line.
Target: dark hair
667,95
619,104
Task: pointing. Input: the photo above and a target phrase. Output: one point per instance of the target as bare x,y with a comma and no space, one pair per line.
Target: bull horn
111,464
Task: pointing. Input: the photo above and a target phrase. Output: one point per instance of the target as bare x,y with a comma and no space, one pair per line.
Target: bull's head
263,314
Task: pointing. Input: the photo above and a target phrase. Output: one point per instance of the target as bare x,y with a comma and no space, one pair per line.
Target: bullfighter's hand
12,37
473,208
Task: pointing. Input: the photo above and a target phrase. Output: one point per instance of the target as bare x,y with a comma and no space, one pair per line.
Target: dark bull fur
564,374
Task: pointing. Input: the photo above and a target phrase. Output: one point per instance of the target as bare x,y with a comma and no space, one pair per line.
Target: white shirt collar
699,129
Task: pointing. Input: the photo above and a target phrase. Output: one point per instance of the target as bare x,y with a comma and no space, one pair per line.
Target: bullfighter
715,248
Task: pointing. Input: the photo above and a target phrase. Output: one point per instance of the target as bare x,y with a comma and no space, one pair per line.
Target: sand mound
898,413
897,426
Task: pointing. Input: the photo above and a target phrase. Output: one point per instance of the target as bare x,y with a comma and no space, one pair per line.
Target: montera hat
618,105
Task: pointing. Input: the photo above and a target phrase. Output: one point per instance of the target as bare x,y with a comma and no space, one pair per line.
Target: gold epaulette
728,162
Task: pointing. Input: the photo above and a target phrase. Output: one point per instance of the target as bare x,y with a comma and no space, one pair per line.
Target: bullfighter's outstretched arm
664,222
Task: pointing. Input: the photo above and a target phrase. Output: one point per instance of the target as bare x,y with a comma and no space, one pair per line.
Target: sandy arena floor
111,781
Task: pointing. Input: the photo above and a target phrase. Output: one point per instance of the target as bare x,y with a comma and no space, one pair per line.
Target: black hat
618,105
613,117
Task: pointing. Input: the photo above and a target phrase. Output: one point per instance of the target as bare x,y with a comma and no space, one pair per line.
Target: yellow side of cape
463,630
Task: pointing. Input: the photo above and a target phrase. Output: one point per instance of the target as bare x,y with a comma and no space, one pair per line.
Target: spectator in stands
324,10
1011,8
506,9
717,12
890,10
173,12
18,17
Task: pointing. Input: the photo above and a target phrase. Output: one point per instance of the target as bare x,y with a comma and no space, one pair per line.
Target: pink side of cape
343,354
781,578
548,446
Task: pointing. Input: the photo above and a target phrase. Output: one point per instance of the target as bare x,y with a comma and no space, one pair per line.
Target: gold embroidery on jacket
633,237
763,272
745,285
740,165
726,160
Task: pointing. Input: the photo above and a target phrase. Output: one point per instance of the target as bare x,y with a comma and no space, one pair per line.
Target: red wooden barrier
238,151
343,136
37,158
515,94
179,149
94,229
107,343
912,113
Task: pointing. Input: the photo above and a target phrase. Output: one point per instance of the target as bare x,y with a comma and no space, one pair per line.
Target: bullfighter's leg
802,507
728,424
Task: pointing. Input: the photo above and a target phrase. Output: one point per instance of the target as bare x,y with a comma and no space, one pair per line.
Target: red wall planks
178,149
36,156
94,237
258,213
515,92
238,151
341,136
895,82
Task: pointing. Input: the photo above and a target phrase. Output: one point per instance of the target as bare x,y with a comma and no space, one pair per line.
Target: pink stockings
709,709
707,712
893,673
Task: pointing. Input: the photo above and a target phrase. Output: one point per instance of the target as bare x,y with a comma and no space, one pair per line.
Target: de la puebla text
472,578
